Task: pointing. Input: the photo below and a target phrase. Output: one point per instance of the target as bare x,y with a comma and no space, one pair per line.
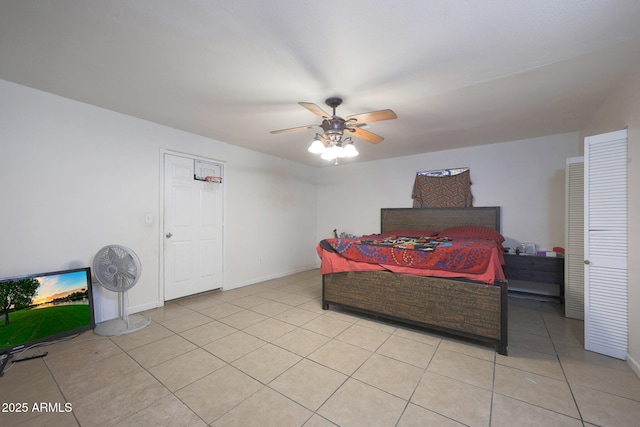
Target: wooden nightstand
520,269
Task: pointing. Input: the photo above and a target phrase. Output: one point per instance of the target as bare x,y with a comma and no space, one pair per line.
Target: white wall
270,217
622,110
76,177
525,178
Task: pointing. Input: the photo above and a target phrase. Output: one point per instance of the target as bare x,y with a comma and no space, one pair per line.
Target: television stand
31,356
5,357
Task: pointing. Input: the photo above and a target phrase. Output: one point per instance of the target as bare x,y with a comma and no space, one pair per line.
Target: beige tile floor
268,355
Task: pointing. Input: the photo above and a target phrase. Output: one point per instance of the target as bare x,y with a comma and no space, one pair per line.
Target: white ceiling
456,72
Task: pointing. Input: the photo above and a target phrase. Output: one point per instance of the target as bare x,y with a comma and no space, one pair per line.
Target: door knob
169,235
587,262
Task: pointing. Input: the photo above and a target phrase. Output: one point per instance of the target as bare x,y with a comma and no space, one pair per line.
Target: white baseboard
255,280
105,305
635,367
156,304
145,307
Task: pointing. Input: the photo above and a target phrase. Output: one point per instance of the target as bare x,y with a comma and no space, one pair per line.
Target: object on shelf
531,248
548,253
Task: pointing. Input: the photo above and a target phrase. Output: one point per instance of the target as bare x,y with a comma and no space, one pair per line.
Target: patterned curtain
442,190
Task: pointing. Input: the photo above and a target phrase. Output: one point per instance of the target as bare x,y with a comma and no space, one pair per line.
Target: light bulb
350,151
316,147
329,154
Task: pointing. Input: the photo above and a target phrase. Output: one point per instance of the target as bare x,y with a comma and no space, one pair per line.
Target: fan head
117,268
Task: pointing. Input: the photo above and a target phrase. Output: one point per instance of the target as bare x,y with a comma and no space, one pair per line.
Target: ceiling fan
335,127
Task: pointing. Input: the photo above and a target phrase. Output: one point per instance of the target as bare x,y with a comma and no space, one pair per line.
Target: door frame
161,205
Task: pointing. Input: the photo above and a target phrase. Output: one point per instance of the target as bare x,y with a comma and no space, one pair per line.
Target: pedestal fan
117,269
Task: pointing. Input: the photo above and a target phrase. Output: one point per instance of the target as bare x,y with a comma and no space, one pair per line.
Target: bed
465,306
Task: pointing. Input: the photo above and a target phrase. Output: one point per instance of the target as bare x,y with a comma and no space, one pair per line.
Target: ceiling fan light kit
332,143
337,151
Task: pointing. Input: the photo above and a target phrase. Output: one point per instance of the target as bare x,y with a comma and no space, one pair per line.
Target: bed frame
458,306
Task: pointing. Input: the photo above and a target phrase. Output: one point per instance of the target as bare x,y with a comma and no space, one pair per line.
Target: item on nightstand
530,248
547,253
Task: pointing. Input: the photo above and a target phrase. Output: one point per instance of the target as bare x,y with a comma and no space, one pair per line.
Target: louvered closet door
574,253
606,303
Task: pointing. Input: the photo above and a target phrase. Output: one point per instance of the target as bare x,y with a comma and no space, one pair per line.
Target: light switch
148,219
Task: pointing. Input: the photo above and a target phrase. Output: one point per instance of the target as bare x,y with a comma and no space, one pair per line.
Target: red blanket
475,259
456,254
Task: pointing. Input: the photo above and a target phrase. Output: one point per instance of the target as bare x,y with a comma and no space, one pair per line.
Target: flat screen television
44,307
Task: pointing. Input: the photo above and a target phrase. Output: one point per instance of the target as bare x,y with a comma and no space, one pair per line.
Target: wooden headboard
436,219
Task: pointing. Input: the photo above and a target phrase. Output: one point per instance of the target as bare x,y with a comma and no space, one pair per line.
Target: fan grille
117,268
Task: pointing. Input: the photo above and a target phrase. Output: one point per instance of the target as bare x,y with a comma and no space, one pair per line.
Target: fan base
115,327
333,102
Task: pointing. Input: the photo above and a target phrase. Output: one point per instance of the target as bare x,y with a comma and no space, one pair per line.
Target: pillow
472,232
410,233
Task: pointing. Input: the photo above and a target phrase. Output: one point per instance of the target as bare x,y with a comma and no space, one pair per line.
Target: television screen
44,307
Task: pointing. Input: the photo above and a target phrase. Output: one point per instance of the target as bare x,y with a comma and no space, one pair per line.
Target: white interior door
605,274
192,228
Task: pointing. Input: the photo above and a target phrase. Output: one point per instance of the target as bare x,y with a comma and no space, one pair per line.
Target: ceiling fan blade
365,135
315,110
294,129
374,116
